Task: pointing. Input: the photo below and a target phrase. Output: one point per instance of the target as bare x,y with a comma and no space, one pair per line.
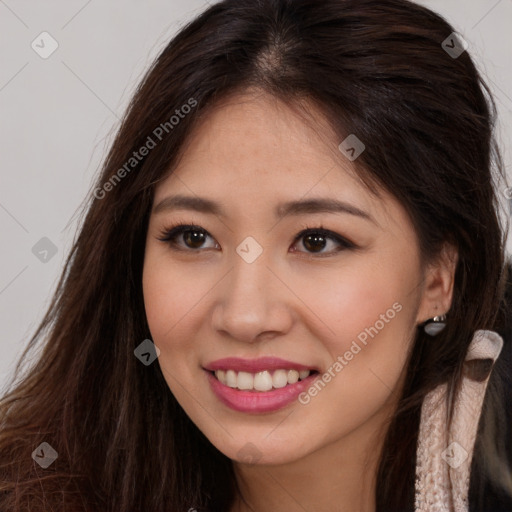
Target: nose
252,302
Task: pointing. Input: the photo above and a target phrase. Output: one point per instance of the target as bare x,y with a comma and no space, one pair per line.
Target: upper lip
255,365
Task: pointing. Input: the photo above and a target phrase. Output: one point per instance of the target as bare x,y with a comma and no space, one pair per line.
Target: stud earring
435,325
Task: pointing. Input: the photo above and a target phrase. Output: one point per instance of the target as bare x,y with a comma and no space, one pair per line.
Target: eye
316,239
193,236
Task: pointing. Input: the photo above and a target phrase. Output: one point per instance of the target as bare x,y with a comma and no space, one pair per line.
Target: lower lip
258,401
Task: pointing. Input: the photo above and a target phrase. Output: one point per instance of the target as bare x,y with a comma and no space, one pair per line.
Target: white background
58,116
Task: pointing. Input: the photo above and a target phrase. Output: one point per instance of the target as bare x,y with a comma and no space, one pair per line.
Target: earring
435,325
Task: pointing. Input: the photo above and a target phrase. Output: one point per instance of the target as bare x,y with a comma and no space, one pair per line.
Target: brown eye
190,237
315,240
314,243
193,237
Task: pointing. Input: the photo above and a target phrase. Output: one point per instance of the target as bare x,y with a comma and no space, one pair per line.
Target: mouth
261,381
258,386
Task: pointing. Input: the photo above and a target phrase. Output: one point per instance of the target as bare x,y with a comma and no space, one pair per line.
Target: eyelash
169,235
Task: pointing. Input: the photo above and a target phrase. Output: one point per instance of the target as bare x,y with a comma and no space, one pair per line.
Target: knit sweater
444,455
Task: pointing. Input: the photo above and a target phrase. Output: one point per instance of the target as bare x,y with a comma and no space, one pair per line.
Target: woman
290,285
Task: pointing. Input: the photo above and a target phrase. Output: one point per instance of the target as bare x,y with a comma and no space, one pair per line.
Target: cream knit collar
444,456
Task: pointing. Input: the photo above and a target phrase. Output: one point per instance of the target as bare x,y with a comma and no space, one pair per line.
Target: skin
206,303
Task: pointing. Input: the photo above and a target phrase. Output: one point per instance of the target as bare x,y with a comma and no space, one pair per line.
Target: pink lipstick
268,383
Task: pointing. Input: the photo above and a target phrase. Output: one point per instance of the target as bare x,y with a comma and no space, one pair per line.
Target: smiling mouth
266,380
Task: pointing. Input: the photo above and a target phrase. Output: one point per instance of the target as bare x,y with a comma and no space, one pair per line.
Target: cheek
174,299
360,304
169,295
171,300
159,300
366,329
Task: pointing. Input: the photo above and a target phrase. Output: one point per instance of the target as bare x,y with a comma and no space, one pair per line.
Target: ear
438,283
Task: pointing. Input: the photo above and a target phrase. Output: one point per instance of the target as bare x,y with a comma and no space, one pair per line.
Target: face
336,291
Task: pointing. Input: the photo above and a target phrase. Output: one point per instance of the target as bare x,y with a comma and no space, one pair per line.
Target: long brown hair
374,68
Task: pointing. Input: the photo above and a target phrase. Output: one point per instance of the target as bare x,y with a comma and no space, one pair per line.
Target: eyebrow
300,207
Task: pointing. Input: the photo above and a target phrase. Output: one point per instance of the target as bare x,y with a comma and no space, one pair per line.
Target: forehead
253,135
252,148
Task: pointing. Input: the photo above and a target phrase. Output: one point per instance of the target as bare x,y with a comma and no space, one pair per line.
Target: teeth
303,374
293,376
221,375
263,381
279,379
231,379
245,380
260,381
